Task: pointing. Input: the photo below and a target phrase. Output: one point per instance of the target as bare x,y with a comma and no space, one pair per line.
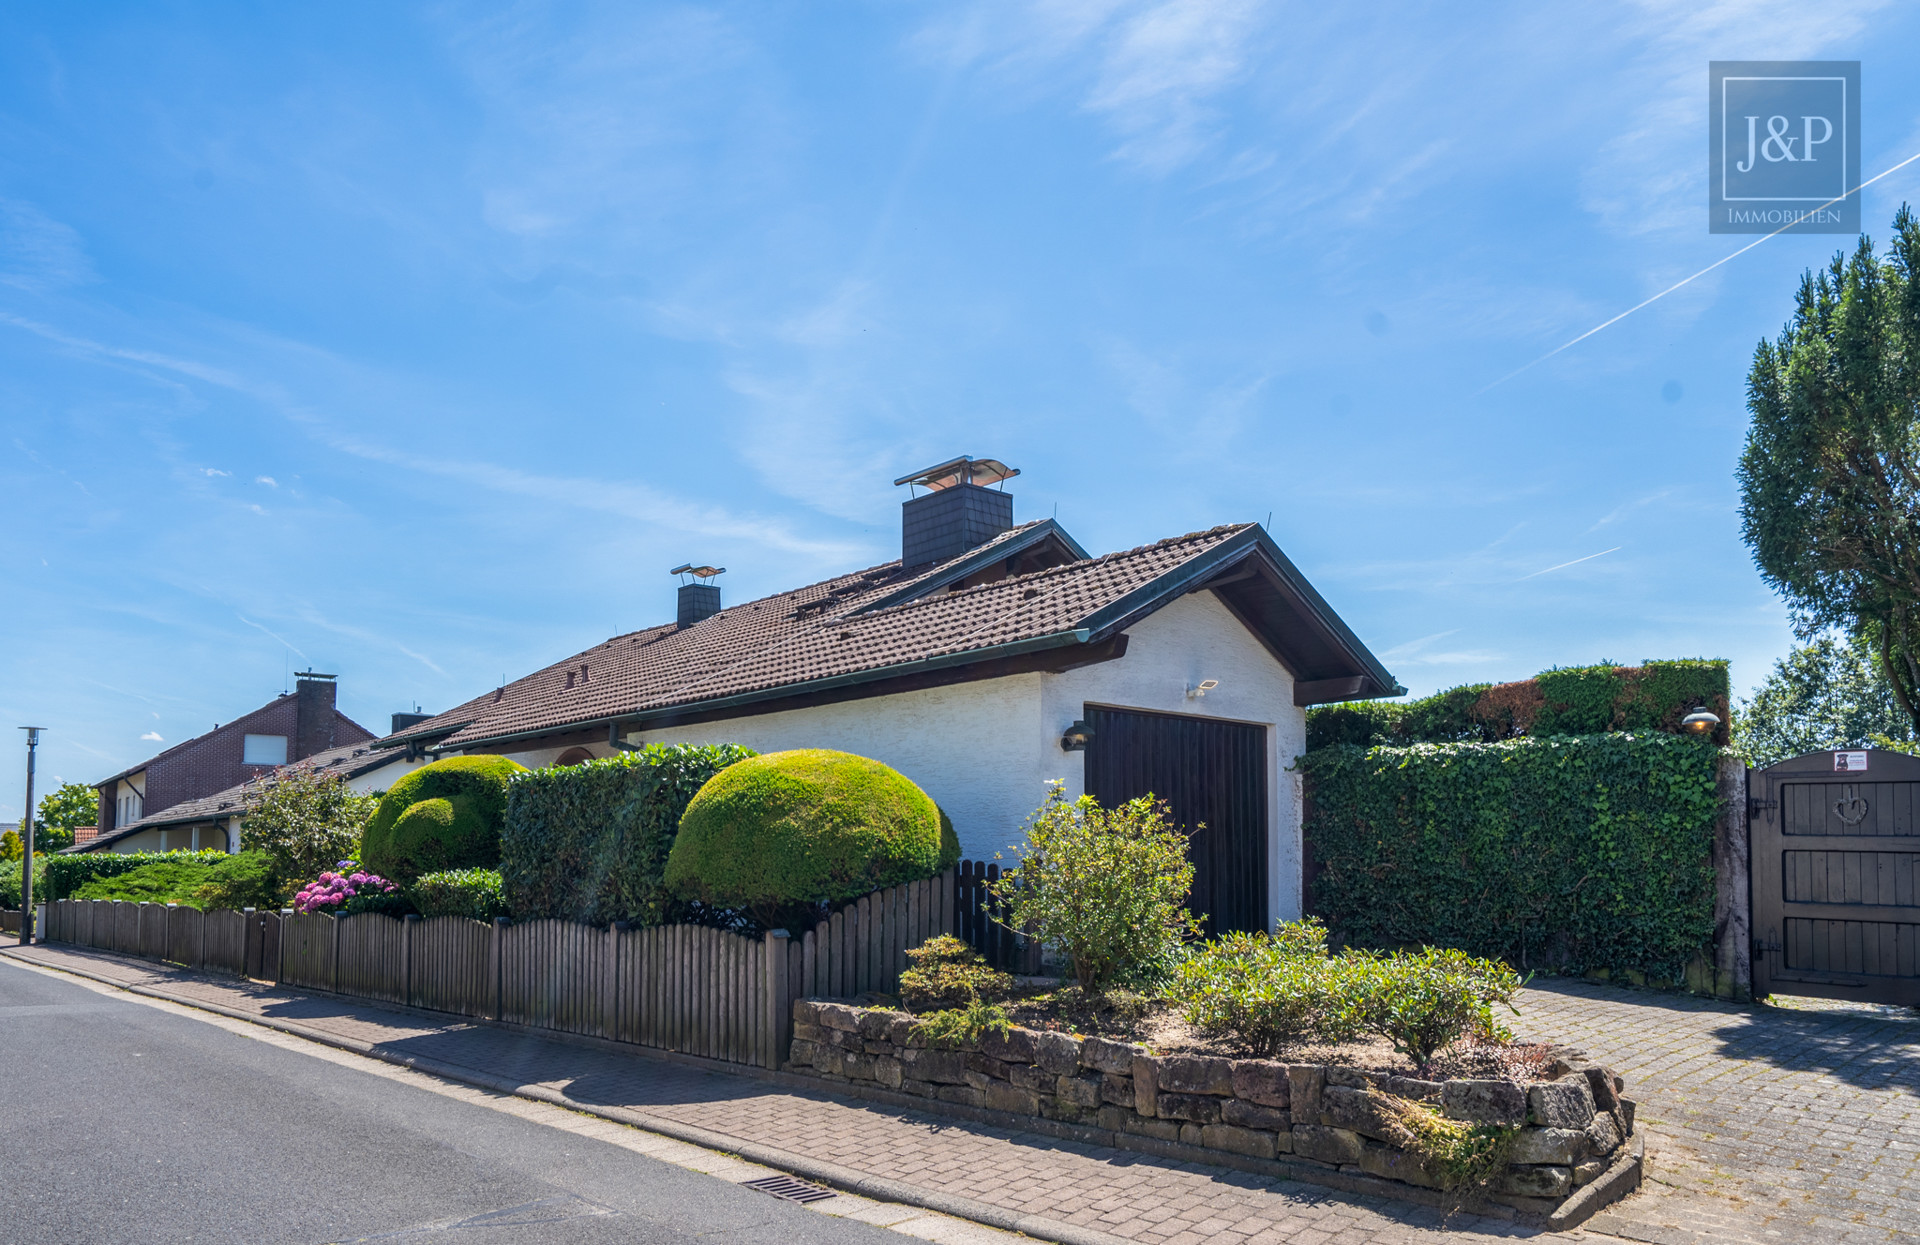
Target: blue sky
416,343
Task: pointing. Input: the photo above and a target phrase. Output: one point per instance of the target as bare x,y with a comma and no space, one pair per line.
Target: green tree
1830,477
1830,693
69,806
305,820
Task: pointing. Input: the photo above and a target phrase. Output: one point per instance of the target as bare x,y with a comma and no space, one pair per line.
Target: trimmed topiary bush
473,893
948,973
442,816
778,832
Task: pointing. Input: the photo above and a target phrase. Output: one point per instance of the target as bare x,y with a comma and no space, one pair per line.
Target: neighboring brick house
988,659
290,727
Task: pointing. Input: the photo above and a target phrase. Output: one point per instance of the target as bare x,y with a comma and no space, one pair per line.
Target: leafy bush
304,819
1424,1001
790,830
589,842
959,1025
1570,852
1266,993
446,815
11,846
475,893
66,806
947,973
1106,887
349,890
210,879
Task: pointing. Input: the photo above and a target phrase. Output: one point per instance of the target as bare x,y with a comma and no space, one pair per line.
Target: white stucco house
987,660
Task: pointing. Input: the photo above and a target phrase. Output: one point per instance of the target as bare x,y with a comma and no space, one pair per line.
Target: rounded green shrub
442,816
810,826
949,843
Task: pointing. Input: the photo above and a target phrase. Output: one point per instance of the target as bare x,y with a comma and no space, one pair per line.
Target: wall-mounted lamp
1699,722
1076,737
1196,690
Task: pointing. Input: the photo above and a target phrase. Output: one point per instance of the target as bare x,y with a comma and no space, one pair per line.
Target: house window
266,750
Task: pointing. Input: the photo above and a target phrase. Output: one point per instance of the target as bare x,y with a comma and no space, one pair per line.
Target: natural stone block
1603,1135
1547,1182
1352,1078
1027,1076
1549,1145
837,1016
1412,1089
987,1064
1146,1085
1058,1053
1082,1090
1193,1134
921,1089
1566,1103
900,1029
1306,1081
1391,1164
1163,1130
888,1071
948,1067
1359,1111
979,1080
1055,1108
1013,1046
806,1031
1002,1096
1328,1145
803,1053
1250,1115
1603,1085
1103,1055
806,1012
845,1039
1116,1089
829,1060
875,1024
966,1095
1262,1081
1251,1142
1627,1106
1196,1074
1198,1108
1485,1102
1588,1172
858,1067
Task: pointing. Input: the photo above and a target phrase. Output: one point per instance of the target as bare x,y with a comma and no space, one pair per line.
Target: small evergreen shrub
1107,887
473,893
180,878
237,882
446,815
1264,993
1459,1154
947,973
958,1025
775,834
11,846
1424,1001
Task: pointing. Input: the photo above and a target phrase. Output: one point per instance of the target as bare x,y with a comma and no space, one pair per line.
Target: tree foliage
70,805
1830,693
1830,477
305,820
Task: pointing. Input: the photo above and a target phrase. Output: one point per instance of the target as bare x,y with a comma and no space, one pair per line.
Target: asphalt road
126,1122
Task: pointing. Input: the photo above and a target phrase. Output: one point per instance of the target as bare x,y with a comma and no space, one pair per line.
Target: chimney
699,595
313,716
957,512
401,721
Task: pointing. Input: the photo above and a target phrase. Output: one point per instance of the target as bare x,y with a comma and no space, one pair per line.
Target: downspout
618,744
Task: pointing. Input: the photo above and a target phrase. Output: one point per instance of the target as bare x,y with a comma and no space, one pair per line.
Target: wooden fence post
494,966
333,979
410,923
610,983
250,945
778,1001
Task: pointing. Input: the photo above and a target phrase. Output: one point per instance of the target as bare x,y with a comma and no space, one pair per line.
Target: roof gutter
638,721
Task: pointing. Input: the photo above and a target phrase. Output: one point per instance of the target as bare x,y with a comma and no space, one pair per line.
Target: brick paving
1766,1125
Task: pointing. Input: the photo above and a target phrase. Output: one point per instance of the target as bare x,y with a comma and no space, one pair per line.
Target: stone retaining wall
1573,1127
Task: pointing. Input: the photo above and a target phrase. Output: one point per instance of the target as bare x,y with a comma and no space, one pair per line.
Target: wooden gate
1212,774
1836,870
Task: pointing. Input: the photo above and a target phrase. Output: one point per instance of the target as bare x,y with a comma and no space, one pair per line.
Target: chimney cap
313,674
965,469
698,572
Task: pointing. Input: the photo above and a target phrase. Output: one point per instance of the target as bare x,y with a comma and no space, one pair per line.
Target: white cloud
214,472
269,481
38,253
154,736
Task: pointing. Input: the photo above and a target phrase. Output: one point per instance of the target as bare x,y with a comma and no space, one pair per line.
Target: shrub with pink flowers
348,890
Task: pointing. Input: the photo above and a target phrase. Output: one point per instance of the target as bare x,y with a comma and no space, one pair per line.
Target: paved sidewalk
1767,1125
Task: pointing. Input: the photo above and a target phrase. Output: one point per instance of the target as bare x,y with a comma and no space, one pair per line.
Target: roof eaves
1325,615
639,717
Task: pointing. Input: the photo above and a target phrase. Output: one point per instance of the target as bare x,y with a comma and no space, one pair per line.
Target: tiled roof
829,632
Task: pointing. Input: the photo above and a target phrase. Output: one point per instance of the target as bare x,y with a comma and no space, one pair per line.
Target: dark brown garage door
1836,877
1212,774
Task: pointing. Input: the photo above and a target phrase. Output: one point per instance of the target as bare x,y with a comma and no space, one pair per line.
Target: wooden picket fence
687,988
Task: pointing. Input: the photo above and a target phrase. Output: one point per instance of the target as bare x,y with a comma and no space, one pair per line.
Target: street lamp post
26,843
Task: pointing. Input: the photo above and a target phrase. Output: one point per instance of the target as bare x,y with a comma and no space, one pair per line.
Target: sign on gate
1835,841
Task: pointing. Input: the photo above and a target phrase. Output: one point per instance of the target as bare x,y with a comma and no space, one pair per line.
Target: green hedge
203,880
1571,852
1572,700
589,842
57,877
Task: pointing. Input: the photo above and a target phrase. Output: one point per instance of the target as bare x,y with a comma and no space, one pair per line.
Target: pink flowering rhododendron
331,890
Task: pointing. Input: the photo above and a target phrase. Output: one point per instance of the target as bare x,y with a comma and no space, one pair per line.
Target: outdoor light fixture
1196,690
1699,722
1076,737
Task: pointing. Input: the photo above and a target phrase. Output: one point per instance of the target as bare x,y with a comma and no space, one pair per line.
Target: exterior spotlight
1076,737
1699,722
1196,690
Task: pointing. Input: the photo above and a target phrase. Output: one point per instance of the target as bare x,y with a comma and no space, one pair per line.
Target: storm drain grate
791,1189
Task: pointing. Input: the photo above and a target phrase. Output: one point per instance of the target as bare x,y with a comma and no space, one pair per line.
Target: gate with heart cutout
1835,841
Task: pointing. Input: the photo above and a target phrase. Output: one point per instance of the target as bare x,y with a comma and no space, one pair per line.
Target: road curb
831,1174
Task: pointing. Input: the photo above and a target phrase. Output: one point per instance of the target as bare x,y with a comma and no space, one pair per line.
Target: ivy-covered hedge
1575,700
1571,852
589,842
